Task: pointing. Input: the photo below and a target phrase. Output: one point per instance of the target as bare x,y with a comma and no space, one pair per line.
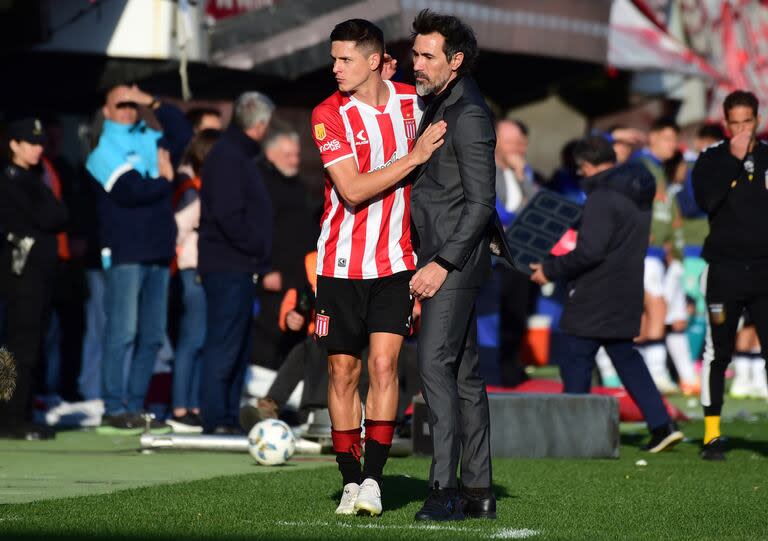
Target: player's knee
382,370
344,375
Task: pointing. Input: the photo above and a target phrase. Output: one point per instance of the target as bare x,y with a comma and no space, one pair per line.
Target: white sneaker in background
759,379
369,499
665,385
741,385
348,498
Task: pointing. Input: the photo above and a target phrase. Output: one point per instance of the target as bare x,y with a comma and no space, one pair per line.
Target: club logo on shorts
320,131
410,128
717,314
322,322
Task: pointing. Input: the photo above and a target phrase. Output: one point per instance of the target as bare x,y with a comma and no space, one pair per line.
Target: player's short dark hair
711,131
595,150
365,34
459,37
740,98
196,114
664,123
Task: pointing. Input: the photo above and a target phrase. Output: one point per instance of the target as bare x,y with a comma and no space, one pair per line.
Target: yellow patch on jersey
733,184
320,131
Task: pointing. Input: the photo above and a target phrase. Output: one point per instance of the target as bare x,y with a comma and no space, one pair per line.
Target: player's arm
356,188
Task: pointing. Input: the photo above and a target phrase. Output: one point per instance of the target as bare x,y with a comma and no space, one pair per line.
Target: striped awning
290,39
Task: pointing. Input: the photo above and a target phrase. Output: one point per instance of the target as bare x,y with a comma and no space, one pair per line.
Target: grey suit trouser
454,391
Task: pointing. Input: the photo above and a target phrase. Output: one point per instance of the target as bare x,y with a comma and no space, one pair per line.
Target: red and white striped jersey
373,239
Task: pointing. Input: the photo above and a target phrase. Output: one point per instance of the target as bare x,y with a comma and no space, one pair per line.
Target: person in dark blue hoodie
138,240
605,275
233,253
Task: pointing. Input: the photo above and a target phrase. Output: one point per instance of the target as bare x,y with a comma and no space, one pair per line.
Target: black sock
376,456
349,466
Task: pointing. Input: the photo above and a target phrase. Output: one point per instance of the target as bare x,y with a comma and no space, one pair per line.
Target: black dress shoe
441,505
478,506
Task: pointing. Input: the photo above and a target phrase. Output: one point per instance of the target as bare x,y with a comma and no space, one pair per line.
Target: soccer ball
271,442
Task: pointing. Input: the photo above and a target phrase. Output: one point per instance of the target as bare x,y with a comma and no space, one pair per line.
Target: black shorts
350,310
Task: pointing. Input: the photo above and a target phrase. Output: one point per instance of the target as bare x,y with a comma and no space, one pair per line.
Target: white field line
501,533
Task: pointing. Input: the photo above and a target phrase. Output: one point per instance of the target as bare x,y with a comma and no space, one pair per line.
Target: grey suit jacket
453,200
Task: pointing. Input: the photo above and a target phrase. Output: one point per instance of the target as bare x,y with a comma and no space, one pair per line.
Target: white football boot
369,499
348,498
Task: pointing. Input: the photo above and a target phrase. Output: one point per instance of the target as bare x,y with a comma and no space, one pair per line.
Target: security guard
30,218
730,182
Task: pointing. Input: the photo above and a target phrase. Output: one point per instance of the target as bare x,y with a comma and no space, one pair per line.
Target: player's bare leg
345,410
380,413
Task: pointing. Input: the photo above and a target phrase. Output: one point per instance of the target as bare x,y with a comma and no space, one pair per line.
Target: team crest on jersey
322,322
319,131
410,128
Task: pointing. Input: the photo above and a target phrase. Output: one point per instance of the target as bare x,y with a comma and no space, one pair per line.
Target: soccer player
366,133
666,245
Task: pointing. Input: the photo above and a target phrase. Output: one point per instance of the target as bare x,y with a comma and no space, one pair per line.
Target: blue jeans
226,353
89,381
186,367
136,304
579,359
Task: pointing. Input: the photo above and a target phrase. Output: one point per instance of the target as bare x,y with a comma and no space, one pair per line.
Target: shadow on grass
399,491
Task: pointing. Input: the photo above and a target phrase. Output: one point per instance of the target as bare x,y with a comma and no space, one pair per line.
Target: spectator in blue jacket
138,238
233,252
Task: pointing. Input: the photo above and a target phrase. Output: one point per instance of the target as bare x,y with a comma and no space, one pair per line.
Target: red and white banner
221,9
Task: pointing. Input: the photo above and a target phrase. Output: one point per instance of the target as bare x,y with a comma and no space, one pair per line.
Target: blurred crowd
180,253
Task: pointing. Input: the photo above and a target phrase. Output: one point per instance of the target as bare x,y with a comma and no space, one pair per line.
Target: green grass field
190,496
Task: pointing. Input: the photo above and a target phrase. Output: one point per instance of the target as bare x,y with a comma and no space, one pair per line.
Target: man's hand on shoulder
427,281
538,275
389,67
428,142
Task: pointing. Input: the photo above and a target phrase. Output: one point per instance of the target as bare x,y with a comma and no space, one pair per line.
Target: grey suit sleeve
474,144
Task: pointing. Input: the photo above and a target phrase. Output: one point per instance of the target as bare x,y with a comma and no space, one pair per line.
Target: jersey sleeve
329,135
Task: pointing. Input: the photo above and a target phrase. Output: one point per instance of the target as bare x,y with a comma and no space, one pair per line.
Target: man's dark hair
664,123
740,98
459,37
365,34
711,131
595,150
196,114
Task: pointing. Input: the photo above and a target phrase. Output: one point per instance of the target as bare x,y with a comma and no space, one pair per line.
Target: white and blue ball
271,442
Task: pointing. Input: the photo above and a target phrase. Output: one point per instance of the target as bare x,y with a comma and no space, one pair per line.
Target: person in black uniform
730,183
30,218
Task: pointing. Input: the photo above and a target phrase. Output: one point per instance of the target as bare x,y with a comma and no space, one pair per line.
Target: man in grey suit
453,211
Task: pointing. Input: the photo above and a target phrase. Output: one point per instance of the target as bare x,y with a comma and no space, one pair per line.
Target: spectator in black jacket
294,234
30,218
605,275
234,248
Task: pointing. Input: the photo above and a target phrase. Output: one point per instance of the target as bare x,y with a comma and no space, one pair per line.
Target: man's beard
428,86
